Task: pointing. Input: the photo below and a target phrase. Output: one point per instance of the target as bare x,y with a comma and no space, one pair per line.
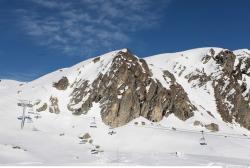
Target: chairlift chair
30,110
28,119
93,123
25,117
202,139
37,115
94,151
111,131
83,141
20,117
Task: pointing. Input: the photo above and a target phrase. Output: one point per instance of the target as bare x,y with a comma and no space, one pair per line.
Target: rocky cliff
207,87
128,91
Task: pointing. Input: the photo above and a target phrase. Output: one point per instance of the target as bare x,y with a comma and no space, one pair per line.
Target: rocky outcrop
198,123
180,104
85,136
95,60
212,127
54,108
81,90
128,90
62,84
226,60
200,76
230,88
42,108
230,91
208,56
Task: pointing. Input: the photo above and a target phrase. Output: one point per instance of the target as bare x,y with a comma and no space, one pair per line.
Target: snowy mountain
118,108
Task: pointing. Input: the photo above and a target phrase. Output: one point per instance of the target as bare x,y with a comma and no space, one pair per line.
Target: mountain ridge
197,63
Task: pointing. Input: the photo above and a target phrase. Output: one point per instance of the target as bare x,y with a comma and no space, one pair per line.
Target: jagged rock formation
62,84
54,108
231,101
213,127
128,91
230,89
95,60
42,108
85,136
197,123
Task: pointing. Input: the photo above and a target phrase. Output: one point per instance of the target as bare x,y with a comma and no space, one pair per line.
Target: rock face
85,136
54,108
62,84
213,127
95,60
128,90
42,108
229,83
197,123
230,90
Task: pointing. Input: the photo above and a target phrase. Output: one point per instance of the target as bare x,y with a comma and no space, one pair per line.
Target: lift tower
24,104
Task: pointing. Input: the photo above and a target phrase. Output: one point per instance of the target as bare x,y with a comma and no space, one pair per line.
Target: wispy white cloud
84,26
52,3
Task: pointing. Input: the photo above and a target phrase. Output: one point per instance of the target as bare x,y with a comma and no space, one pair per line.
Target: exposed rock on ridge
128,90
229,84
62,84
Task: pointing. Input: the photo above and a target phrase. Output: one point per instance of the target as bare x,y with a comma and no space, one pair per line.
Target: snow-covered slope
53,139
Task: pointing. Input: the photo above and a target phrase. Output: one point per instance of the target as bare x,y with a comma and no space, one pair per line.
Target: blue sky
40,36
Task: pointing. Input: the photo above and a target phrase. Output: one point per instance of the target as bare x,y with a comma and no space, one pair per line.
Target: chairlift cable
191,131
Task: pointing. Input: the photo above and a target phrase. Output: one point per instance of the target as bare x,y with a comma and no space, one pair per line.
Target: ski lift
83,141
111,130
94,151
37,116
202,140
31,112
20,117
28,119
93,123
